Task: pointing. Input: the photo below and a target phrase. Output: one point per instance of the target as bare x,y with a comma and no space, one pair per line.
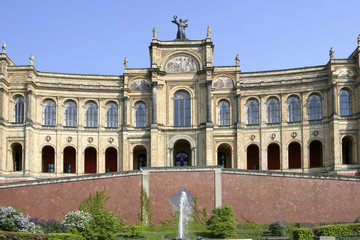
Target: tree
222,222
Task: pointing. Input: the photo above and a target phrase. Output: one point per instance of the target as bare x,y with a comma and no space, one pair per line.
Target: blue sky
94,37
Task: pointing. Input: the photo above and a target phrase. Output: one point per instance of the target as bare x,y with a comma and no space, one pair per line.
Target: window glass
272,105
70,114
140,115
91,114
19,109
224,113
182,109
314,107
111,115
252,107
344,103
294,114
49,113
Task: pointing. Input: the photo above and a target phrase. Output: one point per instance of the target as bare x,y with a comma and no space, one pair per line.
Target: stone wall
261,196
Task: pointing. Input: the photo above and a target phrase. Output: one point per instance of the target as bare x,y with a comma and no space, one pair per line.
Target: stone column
238,108
125,112
1,105
193,157
334,99
154,103
208,102
28,106
171,157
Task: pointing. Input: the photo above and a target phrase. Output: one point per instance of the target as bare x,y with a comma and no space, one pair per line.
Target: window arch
273,115
294,113
91,114
252,107
314,107
19,109
49,113
111,115
182,109
70,114
224,113
140,114
344,102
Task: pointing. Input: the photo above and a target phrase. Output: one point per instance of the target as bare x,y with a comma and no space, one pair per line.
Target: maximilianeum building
180,111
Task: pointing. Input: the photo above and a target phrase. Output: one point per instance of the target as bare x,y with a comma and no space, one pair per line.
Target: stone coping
143,171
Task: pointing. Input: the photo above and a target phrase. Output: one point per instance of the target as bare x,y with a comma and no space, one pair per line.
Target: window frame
182,109
294,113
70,113
112,115
19,109
140,114
252,112
273,110
49,113
224,113
91,114
314,107
344,112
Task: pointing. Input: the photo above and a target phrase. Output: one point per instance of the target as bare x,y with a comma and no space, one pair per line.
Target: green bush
302,234
136,230
279,228
222,222
103,226
32,236
340,229
78,219
64,236
14,220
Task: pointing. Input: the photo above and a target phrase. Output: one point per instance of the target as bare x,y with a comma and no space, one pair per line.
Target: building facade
180,111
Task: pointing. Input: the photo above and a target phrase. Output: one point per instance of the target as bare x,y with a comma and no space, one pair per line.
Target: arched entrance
224,156
316,154
182,153
273,156
139,157
69,160
252,154
294,155
90,160
48,159
111,160
16,150
347,153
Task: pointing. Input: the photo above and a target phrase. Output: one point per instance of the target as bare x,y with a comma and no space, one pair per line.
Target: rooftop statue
181,28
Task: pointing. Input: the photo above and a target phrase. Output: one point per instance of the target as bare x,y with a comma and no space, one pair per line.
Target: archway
316,154
69,160
16,150
111,160
48,159
224,156
182,153
90,160
252,154
139,157
273,156
294,155
347,153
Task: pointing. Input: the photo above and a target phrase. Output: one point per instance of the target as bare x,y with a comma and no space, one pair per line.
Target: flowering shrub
279,228
13,220
50,226
78,219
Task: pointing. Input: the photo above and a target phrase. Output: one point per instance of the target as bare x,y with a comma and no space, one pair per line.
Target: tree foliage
222,222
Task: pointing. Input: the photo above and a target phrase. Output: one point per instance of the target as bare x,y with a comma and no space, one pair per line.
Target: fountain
185,215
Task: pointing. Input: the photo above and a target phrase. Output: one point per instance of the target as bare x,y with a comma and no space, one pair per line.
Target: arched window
272,105
19,109
344,103
111,115
224,113
182,159
70,114
142,161
140,115
314,107
252,107
91,114
294,114
181,109
49,113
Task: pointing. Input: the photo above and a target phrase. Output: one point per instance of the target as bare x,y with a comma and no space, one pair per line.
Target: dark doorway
48,159
294,154
252,157
90,160
224,156
182,153
69,160
347,150
16,149
316,154
139,157
111,160
273,156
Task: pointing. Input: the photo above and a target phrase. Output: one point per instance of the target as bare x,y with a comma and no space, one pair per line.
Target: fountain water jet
185,215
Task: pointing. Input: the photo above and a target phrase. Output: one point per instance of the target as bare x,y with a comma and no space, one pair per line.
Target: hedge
302,233
38,236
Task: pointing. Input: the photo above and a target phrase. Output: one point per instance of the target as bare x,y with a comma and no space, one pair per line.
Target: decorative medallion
18,78
90,139
181,64
223,82
69,139
111,140
140,85
315,133
345,72
272,136
252,137
293,134
48,138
